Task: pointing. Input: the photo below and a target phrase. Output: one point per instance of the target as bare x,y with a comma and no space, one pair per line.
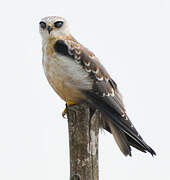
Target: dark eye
58,24
43,25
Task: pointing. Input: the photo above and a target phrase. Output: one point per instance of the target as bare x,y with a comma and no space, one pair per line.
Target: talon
64,113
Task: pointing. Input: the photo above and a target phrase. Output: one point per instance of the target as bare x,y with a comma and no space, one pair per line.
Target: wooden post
83,141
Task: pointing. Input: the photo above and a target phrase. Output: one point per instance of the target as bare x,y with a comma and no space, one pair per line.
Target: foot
64,113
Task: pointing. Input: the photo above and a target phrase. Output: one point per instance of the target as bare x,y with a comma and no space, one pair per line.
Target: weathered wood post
83,141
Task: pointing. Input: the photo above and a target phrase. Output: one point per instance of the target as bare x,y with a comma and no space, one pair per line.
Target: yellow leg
67,104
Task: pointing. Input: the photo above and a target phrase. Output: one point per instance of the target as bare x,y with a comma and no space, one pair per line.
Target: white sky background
132,40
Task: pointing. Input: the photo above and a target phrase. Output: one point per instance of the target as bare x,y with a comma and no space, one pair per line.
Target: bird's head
53,26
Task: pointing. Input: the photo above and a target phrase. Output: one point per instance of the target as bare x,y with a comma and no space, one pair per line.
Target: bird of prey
77,76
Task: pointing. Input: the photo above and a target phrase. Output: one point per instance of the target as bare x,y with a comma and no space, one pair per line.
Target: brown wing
104,94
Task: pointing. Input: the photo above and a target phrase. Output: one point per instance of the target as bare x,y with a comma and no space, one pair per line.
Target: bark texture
83,140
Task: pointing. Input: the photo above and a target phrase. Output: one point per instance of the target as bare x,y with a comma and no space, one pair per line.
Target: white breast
64,74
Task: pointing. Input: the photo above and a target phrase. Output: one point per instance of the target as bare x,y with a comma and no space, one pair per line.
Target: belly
67,93
66,78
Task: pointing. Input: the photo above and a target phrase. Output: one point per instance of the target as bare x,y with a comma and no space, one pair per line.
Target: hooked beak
49,29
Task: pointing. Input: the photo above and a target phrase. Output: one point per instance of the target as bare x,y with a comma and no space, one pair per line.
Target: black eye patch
58,24
43,25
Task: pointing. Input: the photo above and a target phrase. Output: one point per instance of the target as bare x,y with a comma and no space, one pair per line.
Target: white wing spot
71,47
113,93
78,51
77,47
92,56
123,115
87,63
95,71
100,78
108,94
70,52
126,117
77,57
87,70
77,61
106,79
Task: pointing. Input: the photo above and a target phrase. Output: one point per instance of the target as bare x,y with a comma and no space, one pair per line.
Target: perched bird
77,76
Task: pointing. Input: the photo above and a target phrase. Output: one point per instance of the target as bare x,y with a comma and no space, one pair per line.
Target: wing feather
104,94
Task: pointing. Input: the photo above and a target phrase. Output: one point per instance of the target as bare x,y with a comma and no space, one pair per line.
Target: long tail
124,133
120,138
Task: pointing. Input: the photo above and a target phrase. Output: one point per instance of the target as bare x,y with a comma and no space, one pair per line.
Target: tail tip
152,152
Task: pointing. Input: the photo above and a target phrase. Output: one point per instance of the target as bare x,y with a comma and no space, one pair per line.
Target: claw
64,113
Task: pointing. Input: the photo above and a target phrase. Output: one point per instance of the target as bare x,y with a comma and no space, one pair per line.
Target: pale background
131,38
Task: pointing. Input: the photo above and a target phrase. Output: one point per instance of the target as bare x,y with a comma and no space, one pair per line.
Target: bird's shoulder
69,46
103,84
